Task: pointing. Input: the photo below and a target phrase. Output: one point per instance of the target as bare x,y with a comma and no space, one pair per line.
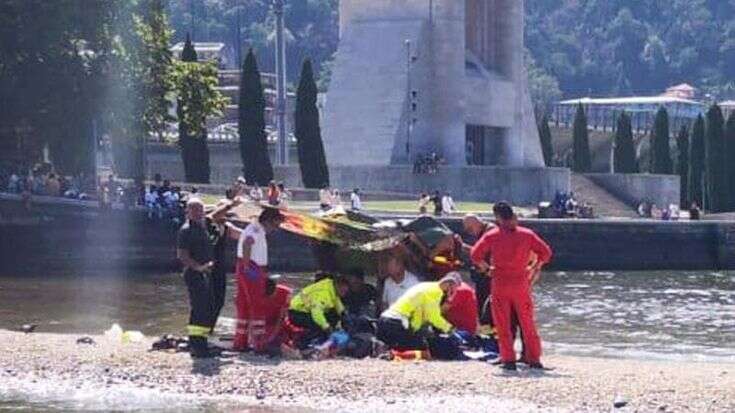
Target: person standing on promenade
510,247
195,252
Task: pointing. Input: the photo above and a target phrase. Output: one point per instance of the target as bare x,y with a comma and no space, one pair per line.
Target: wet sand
578,384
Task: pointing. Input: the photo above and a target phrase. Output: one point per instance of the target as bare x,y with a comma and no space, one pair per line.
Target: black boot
198,348
508,367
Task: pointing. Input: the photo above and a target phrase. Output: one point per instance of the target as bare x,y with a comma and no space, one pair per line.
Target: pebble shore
577,384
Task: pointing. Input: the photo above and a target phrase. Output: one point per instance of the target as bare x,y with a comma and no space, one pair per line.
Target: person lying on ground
403,326
318,309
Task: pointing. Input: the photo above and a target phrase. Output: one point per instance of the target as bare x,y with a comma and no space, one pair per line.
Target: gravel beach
577,384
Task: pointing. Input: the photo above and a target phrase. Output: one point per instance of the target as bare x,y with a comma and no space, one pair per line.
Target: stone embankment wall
87,241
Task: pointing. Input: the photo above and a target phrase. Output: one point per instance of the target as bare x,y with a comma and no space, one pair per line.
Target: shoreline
576,384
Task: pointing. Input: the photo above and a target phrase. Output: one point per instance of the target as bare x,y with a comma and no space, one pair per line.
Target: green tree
581,145
313,162
730,157
625,157
198,98
660,146
155,33
257,165
697,155
717,186
682,146
547,147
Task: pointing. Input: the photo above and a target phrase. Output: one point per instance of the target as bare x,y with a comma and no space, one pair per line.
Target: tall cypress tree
682,146
660,147
717,186
257,166
697,163
581,145
544,133
313,162
625,158
730,157
198,98
187,142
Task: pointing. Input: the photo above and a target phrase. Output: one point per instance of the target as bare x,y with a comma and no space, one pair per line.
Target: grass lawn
399,207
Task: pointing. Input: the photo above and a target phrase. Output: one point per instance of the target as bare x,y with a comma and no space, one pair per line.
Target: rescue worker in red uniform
460,309
274,308
252,274
509,247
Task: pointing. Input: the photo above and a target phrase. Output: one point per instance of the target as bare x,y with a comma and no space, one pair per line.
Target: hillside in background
577,47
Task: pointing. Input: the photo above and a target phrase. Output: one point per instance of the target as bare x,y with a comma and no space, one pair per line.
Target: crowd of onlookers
42,180
647,209
428,163
331,198
443,203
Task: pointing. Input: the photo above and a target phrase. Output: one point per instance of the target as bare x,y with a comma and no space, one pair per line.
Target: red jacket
461,309
508,253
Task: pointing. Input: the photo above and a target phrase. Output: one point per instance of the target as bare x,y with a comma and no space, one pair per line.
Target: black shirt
438,207
195,239
357,302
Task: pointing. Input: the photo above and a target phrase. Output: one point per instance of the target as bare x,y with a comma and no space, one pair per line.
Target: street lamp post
282,148
409,113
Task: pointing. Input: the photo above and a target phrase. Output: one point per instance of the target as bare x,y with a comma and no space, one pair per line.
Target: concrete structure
81,238
524,186
412,77
662,190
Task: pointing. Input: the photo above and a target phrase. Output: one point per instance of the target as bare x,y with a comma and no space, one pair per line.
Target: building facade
418,77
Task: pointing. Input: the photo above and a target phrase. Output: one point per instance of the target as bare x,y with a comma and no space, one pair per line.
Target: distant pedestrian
436,199
424,200
256,194
273,194
695,213
325,199
355,201
284,196
448,206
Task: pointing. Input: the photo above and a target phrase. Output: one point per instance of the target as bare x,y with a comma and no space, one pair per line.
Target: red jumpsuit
274,308
250,324
509,251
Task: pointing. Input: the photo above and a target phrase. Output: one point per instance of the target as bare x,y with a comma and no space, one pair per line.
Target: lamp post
282,148
409,113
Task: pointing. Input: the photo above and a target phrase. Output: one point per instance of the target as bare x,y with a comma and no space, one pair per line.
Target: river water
651,315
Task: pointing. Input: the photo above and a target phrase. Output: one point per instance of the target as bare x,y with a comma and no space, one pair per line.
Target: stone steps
603,202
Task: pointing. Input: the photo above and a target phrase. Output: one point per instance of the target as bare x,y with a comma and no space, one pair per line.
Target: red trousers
516,298
250,323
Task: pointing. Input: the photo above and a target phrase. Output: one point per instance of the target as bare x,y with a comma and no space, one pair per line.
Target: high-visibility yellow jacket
421,305
317,299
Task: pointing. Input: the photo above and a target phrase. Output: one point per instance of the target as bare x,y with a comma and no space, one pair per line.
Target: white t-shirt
356,202
325,198
392,291
448,204
259,249
256,194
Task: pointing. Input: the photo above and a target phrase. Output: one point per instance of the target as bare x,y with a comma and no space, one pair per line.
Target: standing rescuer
510,247
195,252
252,275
